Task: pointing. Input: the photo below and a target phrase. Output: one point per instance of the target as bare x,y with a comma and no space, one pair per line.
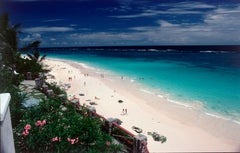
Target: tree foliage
9,39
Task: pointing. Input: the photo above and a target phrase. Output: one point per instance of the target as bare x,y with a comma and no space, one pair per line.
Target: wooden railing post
37,83
109,124
29,75
92,110
41,77
138,141
45,88
50,92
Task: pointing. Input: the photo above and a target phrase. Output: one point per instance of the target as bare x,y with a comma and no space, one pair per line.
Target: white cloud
84,29
24,0
223,20
53,39
73,25
173,8
31,37
48,29
103,38
27,38
150,13
52,20
167,24
36,35
142,28
193,5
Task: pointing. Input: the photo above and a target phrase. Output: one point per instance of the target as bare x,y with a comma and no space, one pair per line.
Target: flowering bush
49,128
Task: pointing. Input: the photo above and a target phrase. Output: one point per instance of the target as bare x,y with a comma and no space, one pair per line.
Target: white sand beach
186,129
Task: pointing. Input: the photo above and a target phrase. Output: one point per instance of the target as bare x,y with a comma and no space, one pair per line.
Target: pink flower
38,123
44,122
108,143
72,141
25,132
56,139
68,139
76,140
41,123
27,127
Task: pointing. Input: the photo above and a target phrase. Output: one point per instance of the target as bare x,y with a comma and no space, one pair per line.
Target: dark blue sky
126,22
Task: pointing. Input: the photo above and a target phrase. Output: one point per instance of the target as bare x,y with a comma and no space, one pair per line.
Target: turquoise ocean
207,79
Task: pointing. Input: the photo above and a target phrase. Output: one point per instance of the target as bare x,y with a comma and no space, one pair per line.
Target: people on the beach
86,75
124,111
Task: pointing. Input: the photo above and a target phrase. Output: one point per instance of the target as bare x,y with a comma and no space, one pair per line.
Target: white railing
6,136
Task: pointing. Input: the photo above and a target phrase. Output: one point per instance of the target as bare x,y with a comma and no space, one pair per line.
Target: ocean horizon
205,80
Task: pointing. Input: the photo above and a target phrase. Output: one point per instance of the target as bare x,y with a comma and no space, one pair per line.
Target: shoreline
185,129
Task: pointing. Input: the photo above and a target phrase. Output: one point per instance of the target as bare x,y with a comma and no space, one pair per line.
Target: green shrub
158,137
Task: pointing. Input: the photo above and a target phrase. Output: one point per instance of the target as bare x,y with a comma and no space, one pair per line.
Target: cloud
52,20
143,28
31,37
24,0
181,8
193,5
104,38
48,29
84,29
73,25
36,35
224,19
167,24
150,13
27,38
53,39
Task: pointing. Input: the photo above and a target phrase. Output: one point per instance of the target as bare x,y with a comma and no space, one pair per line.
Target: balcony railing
6,136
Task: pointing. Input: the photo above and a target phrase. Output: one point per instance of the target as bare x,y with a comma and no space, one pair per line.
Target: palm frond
42,58
30,56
